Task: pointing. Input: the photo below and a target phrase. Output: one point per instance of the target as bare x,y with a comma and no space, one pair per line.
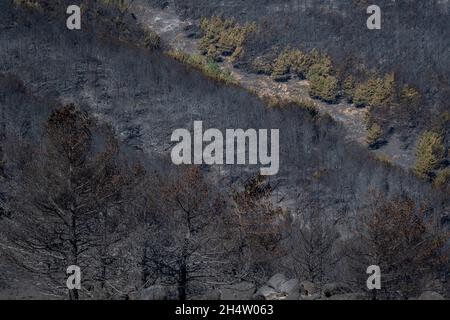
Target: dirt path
172,31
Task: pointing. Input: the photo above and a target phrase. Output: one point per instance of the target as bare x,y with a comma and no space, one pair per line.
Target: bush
325,88
429,153
274,101
410,101
151,39
308,105
223,37
292,62
349,88
207,66
442,179
320,64
262,65
376,92
410,97
374,135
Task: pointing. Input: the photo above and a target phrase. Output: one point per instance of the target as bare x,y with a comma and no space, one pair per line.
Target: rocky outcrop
307,288
279,288
430,295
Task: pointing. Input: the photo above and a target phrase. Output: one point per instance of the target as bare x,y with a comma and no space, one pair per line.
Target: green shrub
410,97
262,65
275,101
376,91
320,64
212,69
151,39
349,88
374,135
324,87
308,105
207,66
223,37
282,64
442,179
292,61
429,153
385,93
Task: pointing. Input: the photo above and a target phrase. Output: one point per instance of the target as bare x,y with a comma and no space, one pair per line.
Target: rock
269,293
430,295
334,288
158,292
238,291
276,281
264,292
315,296
308,288
291,289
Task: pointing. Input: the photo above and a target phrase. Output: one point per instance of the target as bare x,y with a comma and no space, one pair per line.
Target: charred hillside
86,120
413,40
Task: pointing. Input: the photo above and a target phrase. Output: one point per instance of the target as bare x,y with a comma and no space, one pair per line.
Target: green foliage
319,64
324,87
410,97
274,101
308,105
207,66
223,37
376,92
151,39
429,153
262,65
374,134
442,179
445,117
349,88
292,61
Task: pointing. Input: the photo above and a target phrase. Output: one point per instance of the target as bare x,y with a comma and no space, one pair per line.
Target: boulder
264,292
276,281
268,293
315,296
291,289
238,291
334,288
431,295
308,288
